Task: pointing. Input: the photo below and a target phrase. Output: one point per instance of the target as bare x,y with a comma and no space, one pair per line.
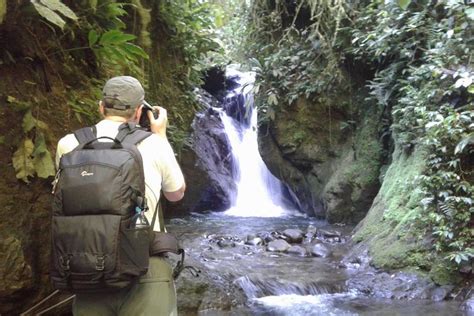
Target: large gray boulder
206,164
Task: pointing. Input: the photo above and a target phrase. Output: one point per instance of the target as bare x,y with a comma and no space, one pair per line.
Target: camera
144,122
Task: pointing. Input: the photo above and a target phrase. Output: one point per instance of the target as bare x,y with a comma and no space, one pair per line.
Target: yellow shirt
159,163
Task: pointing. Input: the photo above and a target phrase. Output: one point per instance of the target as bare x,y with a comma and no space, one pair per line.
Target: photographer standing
154,293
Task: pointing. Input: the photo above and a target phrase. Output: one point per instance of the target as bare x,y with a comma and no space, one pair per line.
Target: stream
263,256
277,283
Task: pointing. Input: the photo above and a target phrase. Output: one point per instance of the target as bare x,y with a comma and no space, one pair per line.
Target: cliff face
328,155
44,90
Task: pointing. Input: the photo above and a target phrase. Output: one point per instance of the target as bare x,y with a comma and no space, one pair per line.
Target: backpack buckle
64,262
100,263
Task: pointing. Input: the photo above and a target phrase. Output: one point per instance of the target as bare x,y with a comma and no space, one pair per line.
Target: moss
392,240
442,274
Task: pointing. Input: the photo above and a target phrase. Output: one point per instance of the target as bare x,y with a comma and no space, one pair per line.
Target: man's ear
101,108
138,113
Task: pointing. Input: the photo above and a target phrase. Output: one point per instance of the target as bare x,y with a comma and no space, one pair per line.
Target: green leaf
49,14
404,4
93,5
22,161
471,89
463,143
93,37
60,7
272,99
135,50
115,37
3,10
40,145
44,165
29,122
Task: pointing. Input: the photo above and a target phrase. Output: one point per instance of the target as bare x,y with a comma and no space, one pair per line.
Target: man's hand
158,126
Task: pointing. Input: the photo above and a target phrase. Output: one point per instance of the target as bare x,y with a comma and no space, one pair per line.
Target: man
155,293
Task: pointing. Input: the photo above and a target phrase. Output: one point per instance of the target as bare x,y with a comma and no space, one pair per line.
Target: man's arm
158,126
176,195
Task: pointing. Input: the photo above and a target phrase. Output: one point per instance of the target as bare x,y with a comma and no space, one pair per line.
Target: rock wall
388,231
206,164
329,158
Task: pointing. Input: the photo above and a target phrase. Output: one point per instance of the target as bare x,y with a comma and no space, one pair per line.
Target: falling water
259,193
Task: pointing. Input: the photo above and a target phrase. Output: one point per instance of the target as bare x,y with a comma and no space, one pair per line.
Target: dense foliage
418,59
293,49
87,41
424,76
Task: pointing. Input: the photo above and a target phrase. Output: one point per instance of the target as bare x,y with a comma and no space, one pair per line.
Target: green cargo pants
154,294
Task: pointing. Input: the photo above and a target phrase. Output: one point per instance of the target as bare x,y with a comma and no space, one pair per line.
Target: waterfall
259,193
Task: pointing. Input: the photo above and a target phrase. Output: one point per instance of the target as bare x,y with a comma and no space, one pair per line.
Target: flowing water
232,246
280,283
259,193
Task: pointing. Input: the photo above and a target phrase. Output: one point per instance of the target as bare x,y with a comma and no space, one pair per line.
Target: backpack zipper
55,181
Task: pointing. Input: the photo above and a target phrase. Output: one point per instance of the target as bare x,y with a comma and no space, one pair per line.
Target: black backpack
99,189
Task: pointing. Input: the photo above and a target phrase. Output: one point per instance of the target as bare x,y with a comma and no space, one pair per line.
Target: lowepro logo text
86,174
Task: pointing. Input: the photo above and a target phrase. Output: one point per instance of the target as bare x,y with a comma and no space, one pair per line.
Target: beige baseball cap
125,89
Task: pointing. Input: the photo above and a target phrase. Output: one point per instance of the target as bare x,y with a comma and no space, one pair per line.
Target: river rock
266,236
328,233
319,250
298,250
399,285
254,240
294,235
468,306
441,292
226,243
278,245
15,273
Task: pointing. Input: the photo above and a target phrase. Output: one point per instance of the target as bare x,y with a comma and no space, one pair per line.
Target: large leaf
115,37
135,50
50,10
404,4
3,10
93,37
60,7
40,145
468,140
22,161
44,165
28,122
49,14
43,162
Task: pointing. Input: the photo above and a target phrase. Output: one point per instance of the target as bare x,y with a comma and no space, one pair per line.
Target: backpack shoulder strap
132,134
86,134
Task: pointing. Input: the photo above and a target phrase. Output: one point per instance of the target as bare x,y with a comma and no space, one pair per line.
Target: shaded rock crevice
327,154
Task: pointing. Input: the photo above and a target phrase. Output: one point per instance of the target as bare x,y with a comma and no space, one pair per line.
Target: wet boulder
294,235
440,293
278,245
319,250
468,305
254,240
298,250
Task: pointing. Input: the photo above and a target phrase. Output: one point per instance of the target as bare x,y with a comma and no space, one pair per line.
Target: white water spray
259,193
